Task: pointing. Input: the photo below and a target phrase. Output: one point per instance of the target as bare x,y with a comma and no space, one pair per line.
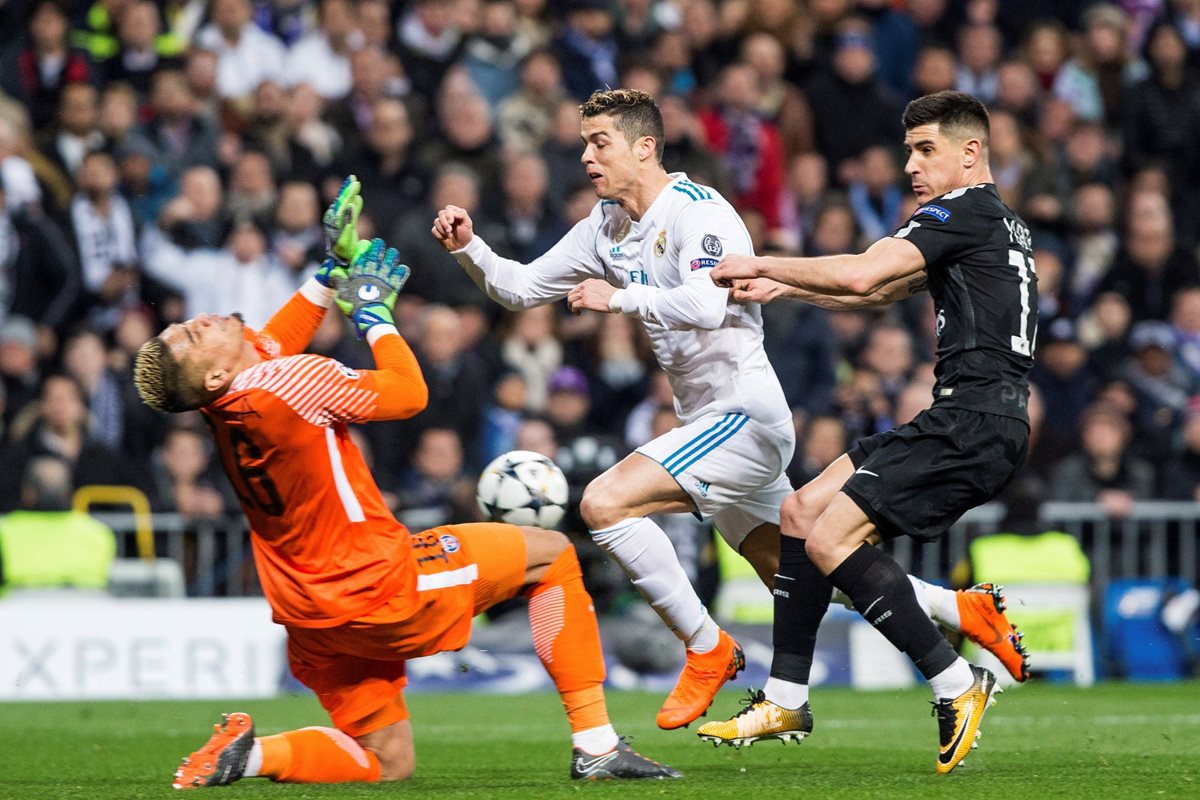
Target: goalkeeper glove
332,271
341,222
373,281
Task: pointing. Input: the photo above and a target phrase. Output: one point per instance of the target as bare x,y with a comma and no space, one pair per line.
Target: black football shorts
918,479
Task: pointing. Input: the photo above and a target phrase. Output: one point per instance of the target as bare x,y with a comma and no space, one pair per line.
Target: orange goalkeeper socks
567,640
316,755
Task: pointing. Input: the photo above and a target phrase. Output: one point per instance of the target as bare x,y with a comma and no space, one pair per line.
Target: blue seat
1136,643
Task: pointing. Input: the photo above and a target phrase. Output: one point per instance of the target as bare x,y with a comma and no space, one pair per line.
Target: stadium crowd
160,158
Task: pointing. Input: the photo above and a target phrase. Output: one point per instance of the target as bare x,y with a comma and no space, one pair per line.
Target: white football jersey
711,348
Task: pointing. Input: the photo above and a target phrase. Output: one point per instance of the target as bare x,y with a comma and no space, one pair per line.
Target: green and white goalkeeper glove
367,294
341,223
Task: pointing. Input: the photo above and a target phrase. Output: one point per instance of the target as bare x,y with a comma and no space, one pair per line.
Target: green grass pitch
1042,740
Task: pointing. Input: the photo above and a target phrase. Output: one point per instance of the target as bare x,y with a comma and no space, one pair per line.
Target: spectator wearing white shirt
246,55
241,276
322,58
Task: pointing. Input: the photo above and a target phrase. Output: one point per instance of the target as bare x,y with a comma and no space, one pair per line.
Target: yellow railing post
87,496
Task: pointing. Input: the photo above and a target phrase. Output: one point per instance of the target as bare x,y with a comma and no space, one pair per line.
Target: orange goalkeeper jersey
326,546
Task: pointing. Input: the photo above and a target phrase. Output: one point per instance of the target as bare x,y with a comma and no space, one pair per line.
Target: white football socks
595,741
953,680
786,694
253,761
940,605
648,558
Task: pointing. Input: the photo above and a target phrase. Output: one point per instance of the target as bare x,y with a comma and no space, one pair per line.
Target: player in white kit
646,250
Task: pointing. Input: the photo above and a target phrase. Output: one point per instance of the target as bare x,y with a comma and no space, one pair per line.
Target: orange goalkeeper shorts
357,669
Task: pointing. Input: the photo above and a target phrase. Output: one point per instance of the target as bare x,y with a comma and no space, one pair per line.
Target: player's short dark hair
635,113
161,379
957,114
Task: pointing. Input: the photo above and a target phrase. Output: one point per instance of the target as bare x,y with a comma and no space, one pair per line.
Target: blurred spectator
241,277
308,130
75,133
1096,80
889,354
36,72
586,47
801,348
1160,383
57,424
640,421
384,163
748,144
322,58
436,490
270,130
524,117
84,359
117,115
1018,91
834,230
285,20
200,78
1185,319
375,24
803,197
1105,331
246,55
184,480
457,379
141,47
1151,267
1066,382
1181,475
823,441
936,70
19,372
1093,240
781,102
17,175
39,273
979,57
532,349
532,223
1046,50
1105,472
102,225
195,219
875,195
429,43
252,193
468,139
584,449
297,238
493,53
685,148
179,137
855,109
1162,120
438,278
618,358
502,416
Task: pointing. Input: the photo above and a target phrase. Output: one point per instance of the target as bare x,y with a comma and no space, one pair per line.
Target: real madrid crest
660,244
623,230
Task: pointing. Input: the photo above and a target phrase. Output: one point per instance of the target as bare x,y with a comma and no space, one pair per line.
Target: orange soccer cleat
222,760
703,676
981,619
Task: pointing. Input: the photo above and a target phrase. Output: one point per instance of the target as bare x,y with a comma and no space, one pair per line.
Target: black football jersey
979,261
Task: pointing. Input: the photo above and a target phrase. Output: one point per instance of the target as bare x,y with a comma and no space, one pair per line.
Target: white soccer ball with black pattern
523,488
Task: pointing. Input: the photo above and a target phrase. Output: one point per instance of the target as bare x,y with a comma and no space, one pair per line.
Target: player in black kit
974,255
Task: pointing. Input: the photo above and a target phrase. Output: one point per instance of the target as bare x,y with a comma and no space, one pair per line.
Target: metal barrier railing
1157,539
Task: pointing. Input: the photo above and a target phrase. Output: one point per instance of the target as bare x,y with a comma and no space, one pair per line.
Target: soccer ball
523,488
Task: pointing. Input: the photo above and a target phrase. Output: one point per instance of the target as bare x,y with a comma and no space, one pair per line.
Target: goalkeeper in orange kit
358,592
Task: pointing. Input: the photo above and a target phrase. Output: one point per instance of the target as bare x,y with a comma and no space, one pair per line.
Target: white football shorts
732,467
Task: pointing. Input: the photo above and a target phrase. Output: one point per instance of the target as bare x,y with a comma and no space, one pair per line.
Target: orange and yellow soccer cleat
703,676
959,718
981,619
760,719
222,760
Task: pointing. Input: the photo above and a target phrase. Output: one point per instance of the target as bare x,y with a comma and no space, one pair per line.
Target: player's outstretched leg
703,676
982,620
308,755
222,759
567,640
959,718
